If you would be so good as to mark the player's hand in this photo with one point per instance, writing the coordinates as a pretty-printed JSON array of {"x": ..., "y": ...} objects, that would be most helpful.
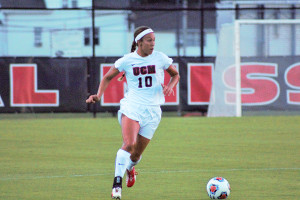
[
  {"x": 167, "y": 90},
  {"x": 92, "y": 99}
]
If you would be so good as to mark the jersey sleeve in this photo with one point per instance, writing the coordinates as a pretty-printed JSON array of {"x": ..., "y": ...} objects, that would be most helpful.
[
  {"x": 166, "y": 60},
  {"x": 119, "y": 64}
]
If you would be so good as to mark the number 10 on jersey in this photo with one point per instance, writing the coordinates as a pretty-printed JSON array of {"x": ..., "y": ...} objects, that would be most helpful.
[{"x": 145, "y": 81}]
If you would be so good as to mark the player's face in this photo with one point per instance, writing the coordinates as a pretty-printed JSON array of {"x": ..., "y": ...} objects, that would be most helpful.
[{"x": 147, "y": 45}]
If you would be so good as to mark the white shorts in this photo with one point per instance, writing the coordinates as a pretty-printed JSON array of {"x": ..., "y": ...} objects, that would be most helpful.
[{"x": 148, "y": 116}]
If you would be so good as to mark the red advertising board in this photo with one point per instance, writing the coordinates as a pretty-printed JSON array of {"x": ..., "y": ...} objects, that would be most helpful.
[
  {"x": 62, "y": 85},
  {"x": 24, "y": 91},
  {"x": 199, "y": 83}
]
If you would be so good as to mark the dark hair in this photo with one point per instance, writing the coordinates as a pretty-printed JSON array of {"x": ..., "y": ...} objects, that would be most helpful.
[{"x": 137, "y": 31}]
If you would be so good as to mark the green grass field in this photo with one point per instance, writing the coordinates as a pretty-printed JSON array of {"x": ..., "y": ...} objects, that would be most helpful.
[{"x": 73, "y": 158}]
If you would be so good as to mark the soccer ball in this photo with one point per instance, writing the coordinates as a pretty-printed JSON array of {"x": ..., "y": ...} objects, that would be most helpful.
[{"x": 218, "y": 188}]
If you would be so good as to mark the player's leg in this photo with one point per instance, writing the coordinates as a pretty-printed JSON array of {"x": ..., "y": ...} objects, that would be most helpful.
[
  {"x": 135, "y": 158},
  {"x": 149, "y": 124},
  {"x": 146, "y": 132},
  {"x": 130, "y": 129}
]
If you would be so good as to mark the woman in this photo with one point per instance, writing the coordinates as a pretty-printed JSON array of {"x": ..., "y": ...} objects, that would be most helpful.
[{"x": 140, "y": 111}]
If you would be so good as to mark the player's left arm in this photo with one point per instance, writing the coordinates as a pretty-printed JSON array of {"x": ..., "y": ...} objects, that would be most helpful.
[{"x": 168, "y": 89}]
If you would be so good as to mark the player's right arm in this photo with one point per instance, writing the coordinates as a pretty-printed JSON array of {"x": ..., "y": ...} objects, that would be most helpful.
[{"x": 113, "y": 72}]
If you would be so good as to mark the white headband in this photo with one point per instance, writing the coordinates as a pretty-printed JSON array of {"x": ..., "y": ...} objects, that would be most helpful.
[{"x": 143, "y": 33}]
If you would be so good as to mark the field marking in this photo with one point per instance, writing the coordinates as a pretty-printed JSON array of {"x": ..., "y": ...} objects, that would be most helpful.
[{"x": 145, "y": 172}]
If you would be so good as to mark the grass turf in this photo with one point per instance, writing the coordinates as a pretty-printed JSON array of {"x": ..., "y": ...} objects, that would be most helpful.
[{"x": 74, "y": 158}]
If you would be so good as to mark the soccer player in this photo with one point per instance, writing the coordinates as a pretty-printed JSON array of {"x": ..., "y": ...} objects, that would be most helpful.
[{"x": 140, "y": 111}]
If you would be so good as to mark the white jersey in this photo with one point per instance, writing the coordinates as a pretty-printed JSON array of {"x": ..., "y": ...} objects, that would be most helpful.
[{"x": 144, "y": 77}]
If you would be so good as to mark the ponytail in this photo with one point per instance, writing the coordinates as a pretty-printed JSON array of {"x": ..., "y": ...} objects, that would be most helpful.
[{"x": 133, "y": 46}]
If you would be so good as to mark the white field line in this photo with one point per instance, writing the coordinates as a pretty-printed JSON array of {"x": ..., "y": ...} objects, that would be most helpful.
[{"x": 147, "y": 172}]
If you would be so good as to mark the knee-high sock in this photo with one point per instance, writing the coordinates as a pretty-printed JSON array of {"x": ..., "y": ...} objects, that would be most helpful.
[
  {"x": 131, "y": 163},
  {"x": 122, "y": 161}
]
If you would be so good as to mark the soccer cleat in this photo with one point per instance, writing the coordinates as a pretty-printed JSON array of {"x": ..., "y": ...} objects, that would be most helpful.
[
  {"x": 116, "y": 193},
  {"x": 131, "y": 177}
]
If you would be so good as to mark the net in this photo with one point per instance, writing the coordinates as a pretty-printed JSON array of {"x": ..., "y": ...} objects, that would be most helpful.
[{"x": 218, "y": 105}]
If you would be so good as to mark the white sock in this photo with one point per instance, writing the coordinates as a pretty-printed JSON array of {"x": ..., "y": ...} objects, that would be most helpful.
[
  {"x": 122, "y": 161},
  {"x": 131, "y": 164}
]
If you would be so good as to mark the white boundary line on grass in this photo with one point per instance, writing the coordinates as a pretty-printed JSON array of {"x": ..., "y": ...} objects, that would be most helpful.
[{"x": 145, "y": 172}]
